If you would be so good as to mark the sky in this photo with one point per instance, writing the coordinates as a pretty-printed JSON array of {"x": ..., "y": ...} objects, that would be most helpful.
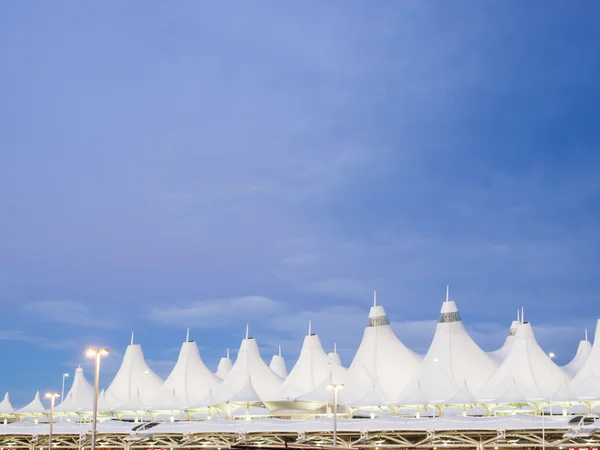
[{"x": 211, "y": 165}]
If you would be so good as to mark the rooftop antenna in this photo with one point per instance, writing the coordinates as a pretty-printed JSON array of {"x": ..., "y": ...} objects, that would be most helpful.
[
  {"x": 447, "y": 292},
  {"x": 279, "y": 349},
  {"x": 132, "y": 338},
  {"x": 522, "y": 314},
  {"x": 187, "y": 336},
  {"x": 586, "y": 334},
  {"x": 227, "y": 353},
  {"x": 247, "y": 326},
  {"x": 310, "y": 327},
  {"x": 374, "y": 298}
]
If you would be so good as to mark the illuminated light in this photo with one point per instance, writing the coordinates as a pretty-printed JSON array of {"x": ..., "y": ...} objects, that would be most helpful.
[{"x": 551, "y": 355}]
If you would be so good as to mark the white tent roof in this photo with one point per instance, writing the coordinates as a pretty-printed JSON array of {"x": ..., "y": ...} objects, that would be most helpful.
[
  {"x": 586, "y": 384},
  {"x": 188, "y": 383},
  {"x": 33, "y": 407},
  {"x": 501, "y": 353},
  {"x": 309, "y": 371},
  {"x": 452, "y": 361},
  {"x": 249, "y": 366},
  {"x": 134, "y": 381},
  {"x": 278, "y": 365},
  {"x": 527, "y": 368},
  {"x": 381, "y": 360},
  {"x": 5, "y": 406},
  {"x": 583, "y": 352},
  {"x": 225, "y": 365},
  {"x": 80, "y": 397}
]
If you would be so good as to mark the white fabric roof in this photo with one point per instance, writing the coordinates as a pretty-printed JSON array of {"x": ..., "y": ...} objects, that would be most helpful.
[
  {"x": 586, "y": 384},
  {"x": 249, "y": 366},
  {"x": 453, "y": 360},
  {"x": 381, "y": 360},
  {"x": 526, "y": 369},
  {"x": 278, "y": 365},
  {"x": 583, "y": 352},
  {"x": 188, "y": 383},
  {"x": 5, "y": 406},
  {"x": 80, "y": 397},
  {"x": 135, "y": 384},
  {"x": 225, "y": 365},
  {"x": 33, "y": 407},
  {"x": 501, "y": 353},
  {"x": 310, "y": 370}
]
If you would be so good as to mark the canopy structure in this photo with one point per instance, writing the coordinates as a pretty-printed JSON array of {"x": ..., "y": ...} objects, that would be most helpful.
[
  {"x": 310, "y": 370},
  {"x": 5, "y": 407},
  {"x": 34, "y": 407},
  {"x": 80, "y": 397},
  {"x": 500, "y": 354},
  {"x": 526, "y": 374},
  {"x": 583, "y": 353},
  {"x": 333, "y": 356},
  {"x": 586, "y": 384},
  {"x": 381, "y": 360},
  {"x": 278, "y": 365},
  {"x": 249, "y": 369},
  {"x": 188, "y": 383},
  {"x": 453, "y": 361},
  {"x": 225, "y": 365},
  {"x": 135, "y": 385}
]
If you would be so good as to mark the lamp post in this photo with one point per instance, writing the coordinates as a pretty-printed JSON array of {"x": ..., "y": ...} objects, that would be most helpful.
[
  {"x": 96, "y": 353},
  {"x": 62, "y": 392},
  {"x": 335, "y": 388},
  {"x": 52, "y": 396}
]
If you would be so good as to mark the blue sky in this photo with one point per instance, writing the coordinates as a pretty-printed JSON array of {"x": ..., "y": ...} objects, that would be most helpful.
[{"x": 199, "y": 165}]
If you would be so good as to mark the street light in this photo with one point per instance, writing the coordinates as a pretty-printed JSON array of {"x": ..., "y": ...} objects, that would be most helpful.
[
  {"x": 335, "y": 388},
  {"x": 62, "y": 392},
  {"x": 52, "y": 396},
  {"x": 96, "y": 353},
  {"x": 551, "y": 356}
]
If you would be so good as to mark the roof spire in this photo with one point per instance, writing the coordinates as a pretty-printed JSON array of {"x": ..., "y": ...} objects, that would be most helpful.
[
  {"x": 335, "y": 348},
  {"x": 227, "y": 353},
  {"x": 586, "y": 334},
  {"x": 187, "y": 336},
  {"x": 279, "y": 349},
  {"x": 518, "y": 315},
  {"x": 309, "y": 327},
  {"x": 447, "y": 292},
  {"x": 132, "y": 338},
  {"x": 374, "y": 298},
  {"x": 522, "y": 314},
  {"x": 247, "y": 329}
]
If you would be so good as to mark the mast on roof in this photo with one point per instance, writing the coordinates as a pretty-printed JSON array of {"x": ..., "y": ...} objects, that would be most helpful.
[
  {"x": 374, "y": 298},
  {"x": 335, "y": 348},
  {"x": 279, "y": 349},
  {"x": 187, "y": 336},
  {"x": 522, "y": 314},
  {"x": 227, "y": 353},
  {"x": 586, "y": 338},
  {"x": 309, "y": 327},
  {"x": 518, "y": 315},
  {"x": 132, "y": 338},
  {"x": 447, "y": 292}
]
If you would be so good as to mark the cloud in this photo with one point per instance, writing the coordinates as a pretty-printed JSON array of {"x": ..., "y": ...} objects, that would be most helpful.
[
  {"x": 42, "y": 342},
  {"x": 211, "y": 313},
  {"x": 69, "y": 312}
]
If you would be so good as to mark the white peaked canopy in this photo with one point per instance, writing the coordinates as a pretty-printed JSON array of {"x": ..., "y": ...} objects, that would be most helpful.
[
  {"x": 453, "y": 361},
  {"x": 310, "y": 370},
  {"x": 5, "y": 406},
  {"x": 334, "y": 358},
  {"x": 583, "y": 352},
  {"x": 225, "y": 365},
  {"x": 135, "y": 382},
  {"x": 526, "y": 374},
  {"x": 80, "y": 397},
  {"x": 382, "y": 364},
  {"x": 586, "y": 383},
  {"x": 501, "y": 353},
  {"x": 189, "y": 382},
  {"x": 34, "y": 407},
  {"x": 278, "y": 365},
  {"x": 249, "y": 368}
]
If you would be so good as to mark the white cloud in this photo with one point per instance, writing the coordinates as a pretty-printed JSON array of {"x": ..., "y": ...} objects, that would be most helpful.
[
  {"x": 68, "y": 312},
  {"x": 210, "y": 313},
  {"x": 43, "y": 342}
]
